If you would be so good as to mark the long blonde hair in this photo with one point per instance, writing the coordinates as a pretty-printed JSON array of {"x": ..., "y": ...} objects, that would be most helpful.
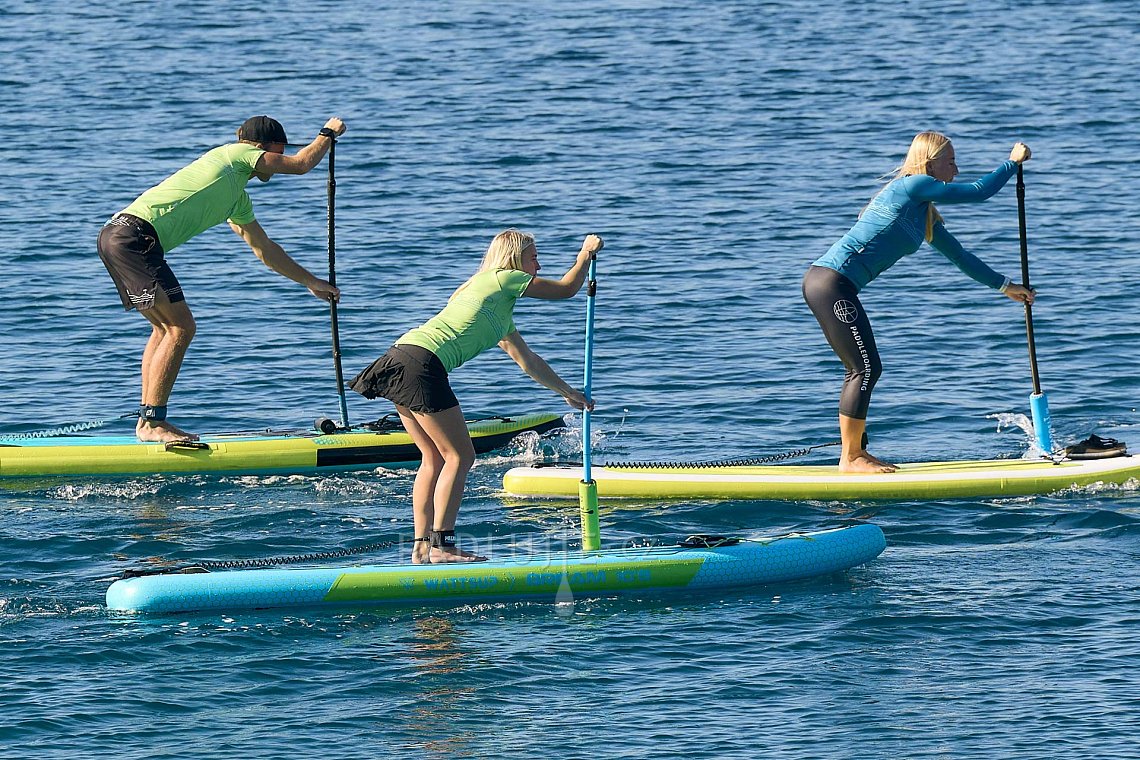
[
  {"x": 924, "y": 148},
  {"x": 505, "y": 252}
]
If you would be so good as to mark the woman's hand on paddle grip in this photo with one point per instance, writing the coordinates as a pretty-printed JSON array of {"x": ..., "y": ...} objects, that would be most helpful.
[
  {"x": 1020, "y": 293},
  {"x": 591, "y": 245},
  {"x": 325, "y": 291},
  {"x": 578, "y": 400}
]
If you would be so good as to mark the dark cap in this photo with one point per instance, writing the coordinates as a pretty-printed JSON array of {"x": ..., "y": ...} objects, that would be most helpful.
[{"x": 262, "y": 129}]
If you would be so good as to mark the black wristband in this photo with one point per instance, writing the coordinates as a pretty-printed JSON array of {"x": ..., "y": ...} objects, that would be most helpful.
[{"x": 326, "y": 132}]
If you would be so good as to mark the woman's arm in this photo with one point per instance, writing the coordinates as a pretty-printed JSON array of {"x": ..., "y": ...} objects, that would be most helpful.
[
  {"x": 539, "y": 371},
  {"x": 971, "y": 265},
  {"x": 922, "y": 187},
  {"x": 948, "y": 246},
  {"x": 571, "y": 282}
]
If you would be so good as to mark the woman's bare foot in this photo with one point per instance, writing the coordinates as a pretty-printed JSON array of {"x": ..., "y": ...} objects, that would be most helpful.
[
  {"x": 444, "y": 554},
  {"x": 421, "y": 551},
  {"x": 865, "y": 463},
  {"x": 150, "y": 431}
]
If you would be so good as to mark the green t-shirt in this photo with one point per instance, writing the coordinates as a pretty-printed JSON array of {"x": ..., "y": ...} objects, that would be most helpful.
[
  {"x": 476, "y": 318},
  {"x": 201, "y": 195}
]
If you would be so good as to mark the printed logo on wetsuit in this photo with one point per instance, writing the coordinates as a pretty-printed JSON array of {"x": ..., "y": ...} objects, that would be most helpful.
[{"x": 845, "y": 312}]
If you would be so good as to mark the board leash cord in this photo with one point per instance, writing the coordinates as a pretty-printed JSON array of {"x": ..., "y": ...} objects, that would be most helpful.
[
  {"x": 746, "y": 462},
  {"x": 384, "y": 424},
  {"x": 1093, "y": 447},
  {"x": 257, "y": 563},
  {"x": 77, "y": 427}
]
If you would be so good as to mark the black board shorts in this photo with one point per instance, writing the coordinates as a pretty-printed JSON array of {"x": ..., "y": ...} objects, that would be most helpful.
[
  {"x": 408, "y": 376},
  {"x": 129, "y": 248}
]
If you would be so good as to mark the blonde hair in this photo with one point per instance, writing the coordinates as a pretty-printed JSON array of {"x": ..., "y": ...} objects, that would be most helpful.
[
  {"x": 506, "y": 250},
  {"x": 924, "y": 148}
]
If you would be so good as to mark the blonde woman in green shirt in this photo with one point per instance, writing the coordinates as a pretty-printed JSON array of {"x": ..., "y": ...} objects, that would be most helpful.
[
  {"x": 413, "y": 376},
  {"x": 209, "y": 191}
]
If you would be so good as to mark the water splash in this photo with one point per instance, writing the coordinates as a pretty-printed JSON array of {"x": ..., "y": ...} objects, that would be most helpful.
[{"x": 1025, "y": 425}]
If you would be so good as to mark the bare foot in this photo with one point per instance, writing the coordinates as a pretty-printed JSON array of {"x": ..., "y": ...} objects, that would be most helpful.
[
  {"x": 443, "y": 554},
  {"x": 865, "y": 463},
  {"x": 161, "y": 432}
]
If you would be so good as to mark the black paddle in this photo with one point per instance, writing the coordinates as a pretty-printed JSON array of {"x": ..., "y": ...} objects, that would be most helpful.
[
  {"x": 322, "y": 423},
  {"x": 1038, "y": 401}
]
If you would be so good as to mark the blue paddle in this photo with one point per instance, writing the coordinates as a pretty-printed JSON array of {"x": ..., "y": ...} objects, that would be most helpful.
[
  {"x": 1038, "y": 401},
  {"x": 587, "y": 488}
]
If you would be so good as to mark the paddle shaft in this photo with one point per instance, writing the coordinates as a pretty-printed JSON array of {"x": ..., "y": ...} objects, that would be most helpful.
[
  {"x": 588, "y": 489},
  {"x": 588, "y": 372},
  {"x": 1038, "y": 401},
  {"x": 1025, "y": 280},
  {"x": 332, "y": 281}
]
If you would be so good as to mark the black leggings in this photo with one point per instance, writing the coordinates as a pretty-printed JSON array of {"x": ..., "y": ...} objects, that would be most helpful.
[{"x": 834, "y": 301}]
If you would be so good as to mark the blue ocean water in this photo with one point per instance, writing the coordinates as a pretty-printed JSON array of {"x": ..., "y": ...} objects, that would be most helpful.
[{"x": 718, "y": 148}]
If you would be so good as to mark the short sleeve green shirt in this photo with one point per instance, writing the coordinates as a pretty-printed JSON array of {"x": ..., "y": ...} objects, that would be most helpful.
[
  {"x": 201, "y": 195},
  {"x": 476, "y": 318}
]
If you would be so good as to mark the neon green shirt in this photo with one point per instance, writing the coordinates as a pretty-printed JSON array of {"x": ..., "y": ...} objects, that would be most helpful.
[
  {"x": 475, "y": 318},
  {"x": 201, "y": 195}
]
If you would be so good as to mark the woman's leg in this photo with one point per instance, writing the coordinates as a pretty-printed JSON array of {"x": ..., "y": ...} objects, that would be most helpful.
[
  {"x": 423, "y": 491},
  {"x": 453, "y": 455},
  {"x": 835, "y": 303}
]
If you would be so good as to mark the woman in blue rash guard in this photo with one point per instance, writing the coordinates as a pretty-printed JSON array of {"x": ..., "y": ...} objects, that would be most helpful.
[{"x": 894, "y": 224}]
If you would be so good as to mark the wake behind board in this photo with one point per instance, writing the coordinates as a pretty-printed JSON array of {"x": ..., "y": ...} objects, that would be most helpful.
[
  {"x": 920, "y": 480},
  {"x": 293, "y": 451},
  {"x": 604, "y": 573}
]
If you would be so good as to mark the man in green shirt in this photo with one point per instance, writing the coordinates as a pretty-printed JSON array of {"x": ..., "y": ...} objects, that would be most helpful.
[{"x": 209, "y": 191}]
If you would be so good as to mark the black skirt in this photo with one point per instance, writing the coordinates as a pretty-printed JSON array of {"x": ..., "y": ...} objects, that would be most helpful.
[{"x": 408, "y": 376}]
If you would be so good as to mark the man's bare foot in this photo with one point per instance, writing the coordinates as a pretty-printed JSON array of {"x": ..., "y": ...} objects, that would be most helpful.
[
  {"x": 443, "y": 554},
  {"x": 865, "y": 463},
  {"x": 162, "y": 431}
]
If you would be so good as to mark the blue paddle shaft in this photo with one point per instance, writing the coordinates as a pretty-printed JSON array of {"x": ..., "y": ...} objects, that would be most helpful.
[
  {"x": 591, "y": 292},
  {"x": 588, "y": 489}
]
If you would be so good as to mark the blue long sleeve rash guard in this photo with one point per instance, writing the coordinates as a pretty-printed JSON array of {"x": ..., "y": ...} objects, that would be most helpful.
[{"x": 894, "y": 225}]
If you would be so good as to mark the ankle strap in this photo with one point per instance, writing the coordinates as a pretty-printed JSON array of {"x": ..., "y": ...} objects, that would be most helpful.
[
  {"x": 442, "y": 538},
  {"x": 152, "y": 413}
]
